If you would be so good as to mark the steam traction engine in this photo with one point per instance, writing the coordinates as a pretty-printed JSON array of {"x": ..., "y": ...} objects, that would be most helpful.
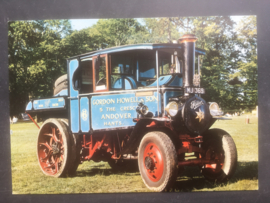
[{"x": 137, "y": 102}]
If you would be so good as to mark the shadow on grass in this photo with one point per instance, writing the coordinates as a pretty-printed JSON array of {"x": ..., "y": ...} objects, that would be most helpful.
[
  {"x": 191, "y": 179},
  {"x": 101, "y": 169},
  {"x": 188, "y": 180}
]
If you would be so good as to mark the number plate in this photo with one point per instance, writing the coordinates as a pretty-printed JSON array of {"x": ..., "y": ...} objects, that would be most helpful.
[{"x": 195, "y": 90}]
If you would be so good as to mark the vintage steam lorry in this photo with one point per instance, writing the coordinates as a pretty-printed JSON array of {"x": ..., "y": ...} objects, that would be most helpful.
[{"x": 137, "y": 102}]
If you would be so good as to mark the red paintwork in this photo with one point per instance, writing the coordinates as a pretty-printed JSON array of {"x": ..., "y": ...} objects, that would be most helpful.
[
  {"x": 212, "y": 166},
  {"x": 111, "y": 143},
  {"x": 152, "y": 151},
  {"x": 92, "y": 147},
  {"x": 33, "y": 121},
  {"x": 186, "y": 144},
  {"x": 153, "y": 123},
  {"x": 49, "y": 162}
]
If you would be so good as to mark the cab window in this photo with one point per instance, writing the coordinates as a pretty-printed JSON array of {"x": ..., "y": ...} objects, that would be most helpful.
[
  {"x": 100, "y": 73},
  {"x": 122, "y": 71},
  {"x": 82, "y": 77}
]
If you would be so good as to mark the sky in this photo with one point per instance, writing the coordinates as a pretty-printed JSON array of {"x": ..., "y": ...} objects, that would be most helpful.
[{"x": 78, "y": 24}]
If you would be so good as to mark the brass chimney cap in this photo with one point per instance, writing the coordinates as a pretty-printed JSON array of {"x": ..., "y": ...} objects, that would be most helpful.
[{"x": 188, "y": 38}]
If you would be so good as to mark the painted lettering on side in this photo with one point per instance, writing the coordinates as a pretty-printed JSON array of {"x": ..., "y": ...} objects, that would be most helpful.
[{"x": 118, "y": 110}]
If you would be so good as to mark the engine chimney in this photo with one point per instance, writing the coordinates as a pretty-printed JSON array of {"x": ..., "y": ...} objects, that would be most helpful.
[{"x": 188, "y": 44}]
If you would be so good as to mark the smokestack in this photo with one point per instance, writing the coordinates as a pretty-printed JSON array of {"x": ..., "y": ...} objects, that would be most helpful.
[{"x": 188, "y": 44}]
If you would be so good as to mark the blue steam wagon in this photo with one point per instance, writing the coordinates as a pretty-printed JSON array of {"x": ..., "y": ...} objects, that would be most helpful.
[{"x": 137, "y": 103}]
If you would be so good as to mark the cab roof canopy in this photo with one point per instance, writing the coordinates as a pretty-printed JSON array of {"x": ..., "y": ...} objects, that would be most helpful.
[{"x": 164, "y": 47}]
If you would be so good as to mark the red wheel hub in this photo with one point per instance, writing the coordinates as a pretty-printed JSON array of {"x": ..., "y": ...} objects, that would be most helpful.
[
  {"x": 51, "y": 151},
  {"x": 153, "y": 162}
]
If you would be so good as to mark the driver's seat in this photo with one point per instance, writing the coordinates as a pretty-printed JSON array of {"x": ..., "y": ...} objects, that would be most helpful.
[{"x": 129, "y": 83}]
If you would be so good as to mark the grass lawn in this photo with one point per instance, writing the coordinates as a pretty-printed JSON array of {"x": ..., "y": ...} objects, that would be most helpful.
[{"x": 92, "y": 177}]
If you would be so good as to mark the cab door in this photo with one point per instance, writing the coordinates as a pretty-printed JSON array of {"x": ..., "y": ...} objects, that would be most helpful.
[
  {"x": 100, "y": 73},
  {"x": 73, "y": 65}
]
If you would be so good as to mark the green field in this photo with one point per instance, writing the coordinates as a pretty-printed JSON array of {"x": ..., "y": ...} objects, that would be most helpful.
[{"x": 92, "y": 177}]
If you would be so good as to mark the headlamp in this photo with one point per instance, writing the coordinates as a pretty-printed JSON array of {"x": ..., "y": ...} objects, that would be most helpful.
[
  {"x": 172, "y": 108},
  {"x": 142, "y": 109},
  {"x": 214, "y": 109}
]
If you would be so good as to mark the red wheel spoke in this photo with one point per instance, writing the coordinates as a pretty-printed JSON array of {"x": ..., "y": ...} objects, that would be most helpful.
[
  {"x": 49, "y": 166},
  {"x": 54, "y": 135},
  {"x": 51, "y": 139},
  {"x": 46, "y": 157},
  {"x": 60, "y": 138},
  {"x": 56, "y": 164},
  {"x": 48, "y": 134},
  {"x": 53, "y": 160},
  {"x": 46, "y": 145}
]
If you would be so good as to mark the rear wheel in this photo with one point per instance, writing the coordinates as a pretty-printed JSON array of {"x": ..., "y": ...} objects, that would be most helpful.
[
  {"x": 54, "y": 148},
  {"x": 221, "y": 151},
  {"x": 75, "y": 151},
  {"x": 157, "y": 161}
]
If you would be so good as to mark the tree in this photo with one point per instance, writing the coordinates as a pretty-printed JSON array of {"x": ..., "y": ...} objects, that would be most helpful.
[
  {"x": 35, "y": 59},
  {"x": 115, "y": 32},
  {"x": 247, "y": 66},
  {"x": 38, "y": 52},
  {"x": 79, "y": 42},
  {"x": 217, "y": 36}
]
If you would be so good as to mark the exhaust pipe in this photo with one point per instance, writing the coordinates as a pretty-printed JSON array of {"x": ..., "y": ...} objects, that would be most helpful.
[{"x": 188, "y": 43}]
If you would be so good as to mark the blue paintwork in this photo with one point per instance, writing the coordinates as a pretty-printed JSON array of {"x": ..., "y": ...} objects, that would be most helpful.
[
  {"x": 84, "y": 114},
  {"x": 169, "y": 94},
  {"x": 176, "y": 82},
  {"x": 137, "y": 47},
  {"x": 162, "y": 80},
  {"x": 118, "y": 110},
  {"x": 29, "y": 106},
  {"x": 52, "y": 103},
  {"x": 128, "y": 83},
  {"x": 74, "y": 103},
  {"x": 148, "y": 73},
  {"x": 62, "y": 93},
  {"x": 132, "y": 81}
]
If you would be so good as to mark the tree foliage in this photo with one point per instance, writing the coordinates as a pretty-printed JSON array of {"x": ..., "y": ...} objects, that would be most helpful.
[
  {"x": 116, "y": 32},
  {"x": 38, "y": 49},
  {"x": 35, "y": 59}
]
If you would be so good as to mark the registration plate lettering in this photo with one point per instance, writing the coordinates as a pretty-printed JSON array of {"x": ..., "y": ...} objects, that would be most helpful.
[{"x": 195, "y": 90}]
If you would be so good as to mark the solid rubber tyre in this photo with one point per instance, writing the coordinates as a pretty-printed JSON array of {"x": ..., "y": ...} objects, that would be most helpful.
[
  {"x": 221, "y": 149},
  {"x": 60, "y": 87},
  {"x": 157, "y": 160},
  {"x": 74, "y": 161},
  {"x": 60, "y": 80}
]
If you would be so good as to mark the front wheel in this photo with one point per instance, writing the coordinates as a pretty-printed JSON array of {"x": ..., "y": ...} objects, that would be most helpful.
[
  {"x": 157, "y": 161},
  {"x": 220, "y": 149}
]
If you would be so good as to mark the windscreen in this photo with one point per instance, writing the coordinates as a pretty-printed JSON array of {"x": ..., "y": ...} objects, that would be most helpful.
[{"x": 169, "y": 63}]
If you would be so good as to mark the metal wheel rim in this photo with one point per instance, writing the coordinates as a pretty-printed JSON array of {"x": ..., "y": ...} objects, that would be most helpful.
[
  {"x": 155, "y": 169},
  {"x": 51, "y": 150}
]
